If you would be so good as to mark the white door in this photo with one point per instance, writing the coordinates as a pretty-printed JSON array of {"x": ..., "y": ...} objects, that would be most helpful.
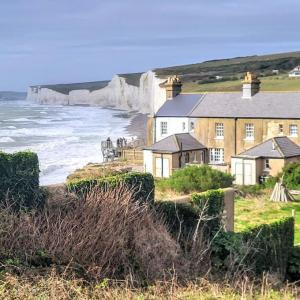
[
  {"x": 243, "y": 173},
  {"x": 247, "y": 174},
  {"x": 239, "y": 173},
  {"x": 162, "y": 165},
  {"x": 158, "y": 167},
  {"x": 166, "y": 167}
]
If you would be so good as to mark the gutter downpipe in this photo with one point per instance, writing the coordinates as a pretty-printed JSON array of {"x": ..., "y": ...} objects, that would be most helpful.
[{"x": 235, "y": 135}]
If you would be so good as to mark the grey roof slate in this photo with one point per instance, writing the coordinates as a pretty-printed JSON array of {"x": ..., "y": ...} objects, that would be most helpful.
[
  {"x": 277, "y": 147},
  {"x": 172, "y": 144},
  {"x": 180, "y": 106},
  {"x": 281, "y": 105}
]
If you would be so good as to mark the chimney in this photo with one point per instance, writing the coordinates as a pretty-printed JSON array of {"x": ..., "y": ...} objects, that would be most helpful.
[
  {"x": 251, "y": 85},
  {"x": 173, "y": 86}
]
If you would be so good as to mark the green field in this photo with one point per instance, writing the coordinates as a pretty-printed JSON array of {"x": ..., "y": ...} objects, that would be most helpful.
[
  {"x": 255, "y": 211},
  {"x": 271, "y": 83}
]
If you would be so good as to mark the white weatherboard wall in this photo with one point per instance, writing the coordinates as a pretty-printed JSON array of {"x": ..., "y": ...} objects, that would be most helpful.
[
  {"x": 174, "y": 125},
  {"x": 147, "y": 98},
  {"x": 244, "y": 171},
  {"x": 148, "y": 161}
]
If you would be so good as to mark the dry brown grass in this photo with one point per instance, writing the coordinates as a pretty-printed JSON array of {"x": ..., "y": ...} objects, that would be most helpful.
[
  {"x": 51, "y": 286},
  {"x": 107, "y": 234}
]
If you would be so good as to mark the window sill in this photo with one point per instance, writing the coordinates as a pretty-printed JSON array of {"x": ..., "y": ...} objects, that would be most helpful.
[
  {"x": 293, "y": 136},
  {"x": 249, "y": 139},
  {"x": 219, "y": 138}
]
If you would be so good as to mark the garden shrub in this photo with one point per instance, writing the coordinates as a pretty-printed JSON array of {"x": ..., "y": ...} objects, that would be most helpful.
[
  {"x": 19, "y": 179},
  {"x": 291, "y": 176},
  {"x": 210, "y": 205},
  {"x": 270, "y": 182},
  {"x": 294, "y": 264},
  {"x": 142, "y": 183},
  {"x": 198, "y": 179}
]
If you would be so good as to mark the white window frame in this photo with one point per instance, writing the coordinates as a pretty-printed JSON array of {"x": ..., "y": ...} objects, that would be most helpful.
[
  {"x": 293, "y": 130},
  {"x": 216, "y": 155},
  {"x": 219, "y": 130},
  {"x": 249, "y": 131},
  {"x": 163, "y": 127},
  {"x": 280, "y": 128}
]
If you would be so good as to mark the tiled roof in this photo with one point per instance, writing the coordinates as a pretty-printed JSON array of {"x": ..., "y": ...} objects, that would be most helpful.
[
  {"x": 281, "y": 105},
  {"x": 176, "y": 143},
  {"x": 180, "y": 106},
  {"x": 277, "y": 147}
]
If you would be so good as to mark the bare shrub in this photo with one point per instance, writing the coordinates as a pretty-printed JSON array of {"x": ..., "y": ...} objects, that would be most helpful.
[{"x": 107, "y": 234}]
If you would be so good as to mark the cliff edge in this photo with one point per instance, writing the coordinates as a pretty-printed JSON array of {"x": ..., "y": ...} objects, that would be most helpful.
[{"x": 134, "y": 92}]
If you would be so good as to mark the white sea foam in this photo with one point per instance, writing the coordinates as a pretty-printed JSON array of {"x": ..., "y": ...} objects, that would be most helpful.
[
  {"x": 66, "y": 138},
  {"x": 6, "y": 139}
]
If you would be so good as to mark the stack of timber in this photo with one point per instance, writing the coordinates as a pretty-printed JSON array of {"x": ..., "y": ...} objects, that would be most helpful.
[{"x": 281, "y": 193}]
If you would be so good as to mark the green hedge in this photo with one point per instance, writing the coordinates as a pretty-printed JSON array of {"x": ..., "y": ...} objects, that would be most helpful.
[
  {"x": 210, "y": 205},
  {"x": 142, "y": 183},
  {"x": 271, "y": 245},
  {"x": 294, "y": 264},
  {"x": 19, "y": 179},
  {"x": 262, "y": 248},
  {"x": 179, "y": 217}
]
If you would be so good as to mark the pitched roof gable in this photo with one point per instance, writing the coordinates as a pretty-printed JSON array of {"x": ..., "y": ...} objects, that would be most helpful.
[
  {"x": 278, "y": 147},
  {"x": 180, "y": 106},
  {"x": 173, "y": 144}
]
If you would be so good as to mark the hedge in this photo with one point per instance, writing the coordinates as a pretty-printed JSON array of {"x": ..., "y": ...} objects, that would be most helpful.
[
  {"x": 294, "y": 264},
  {"x": 180, "y": 218},
  {"x": 142, "y": 183},
  {"x": 261, "y": 248},
  {"x": 210, "y": 205},
  {"x": 271, "y": 245},
  {"x": 19, "y": 178}
]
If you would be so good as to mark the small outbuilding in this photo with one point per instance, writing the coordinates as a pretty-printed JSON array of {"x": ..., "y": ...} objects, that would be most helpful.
[
  {"x": 295, "y": 72},
  {"x": 173, "y": 152},
  {"x": 264, "y": 160}
]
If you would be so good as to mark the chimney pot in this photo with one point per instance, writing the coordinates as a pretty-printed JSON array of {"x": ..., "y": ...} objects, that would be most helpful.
[
  {"x": 173, "y": 86},
  {"x": 251, "y": 85}
]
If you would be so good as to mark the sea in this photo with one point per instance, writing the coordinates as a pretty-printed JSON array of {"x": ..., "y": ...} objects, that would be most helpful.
[{"x": 64, "y": 137}]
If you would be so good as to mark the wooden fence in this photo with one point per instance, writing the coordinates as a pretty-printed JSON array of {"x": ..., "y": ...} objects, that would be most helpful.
[{"x": 133, "y": 155}]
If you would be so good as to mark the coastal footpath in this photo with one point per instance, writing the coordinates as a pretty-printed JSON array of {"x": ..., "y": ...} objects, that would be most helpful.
[{"x": 141, "y": 92}]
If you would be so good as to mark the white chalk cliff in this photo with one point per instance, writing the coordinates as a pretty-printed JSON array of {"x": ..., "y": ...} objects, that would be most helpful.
[{"x": 145, "y": 98}]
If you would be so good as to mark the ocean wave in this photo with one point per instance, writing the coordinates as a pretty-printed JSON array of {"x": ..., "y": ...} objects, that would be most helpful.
[
  {"x": 20, "y": 120},
  {"x": 6, "y": 139}
]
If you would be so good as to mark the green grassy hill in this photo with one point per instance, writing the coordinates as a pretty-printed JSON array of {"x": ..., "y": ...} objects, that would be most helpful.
[
  {"x": 277, "y": 83},
  {"x": 202, "y": 76}
]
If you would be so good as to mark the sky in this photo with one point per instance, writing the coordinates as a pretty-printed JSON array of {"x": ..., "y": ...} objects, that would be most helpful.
[{"x": 62, "y": 41}]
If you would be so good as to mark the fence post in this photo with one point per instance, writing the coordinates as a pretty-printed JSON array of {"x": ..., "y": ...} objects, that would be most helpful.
[{"x": 229, "y": 194}]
